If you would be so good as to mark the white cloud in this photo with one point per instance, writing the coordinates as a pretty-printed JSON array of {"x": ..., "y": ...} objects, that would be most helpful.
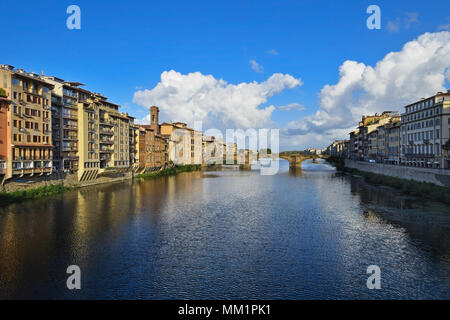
[
  {"x": 393, "y": 26},
  {"x": 420, "y": 69},
  {"x": 273, "y": 52},
  {"x": 444, "y": 27},
  {"x": 410, "y": 18},
  {"x": 196, "y": 96},
  {"x": 292, "y": 106},
  {"x": 405, "y": 22},
  {"x": 256, "y": 66}
]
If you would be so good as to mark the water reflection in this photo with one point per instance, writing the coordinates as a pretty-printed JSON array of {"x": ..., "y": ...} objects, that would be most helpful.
[
  {"x": 295, "y": 171},
  {"x": 303, "y": 233}
]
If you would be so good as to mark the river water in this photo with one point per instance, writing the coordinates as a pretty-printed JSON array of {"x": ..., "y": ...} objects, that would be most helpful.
[{"x": 228, "y": 234}]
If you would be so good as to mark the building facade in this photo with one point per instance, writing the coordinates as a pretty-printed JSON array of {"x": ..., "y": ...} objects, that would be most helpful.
[
  {"x": 29, "y": 137},
  {"x": 425, "y": 132},
  {"x": 5, "y": 138},
  {"x": 179, "y": 139}
]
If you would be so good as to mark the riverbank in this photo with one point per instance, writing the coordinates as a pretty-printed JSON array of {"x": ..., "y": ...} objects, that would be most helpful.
[
  {"x": 169, "y": 171},
  {"x": 410, "y": 187},
  {"x": 35, "y": 193},
  {"x": 54, "y": 189}
]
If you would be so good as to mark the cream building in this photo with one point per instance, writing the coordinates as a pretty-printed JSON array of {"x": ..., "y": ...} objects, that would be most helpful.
[
  {"x": 184, "y": 144},
  {"x": 425, "y": 132}
]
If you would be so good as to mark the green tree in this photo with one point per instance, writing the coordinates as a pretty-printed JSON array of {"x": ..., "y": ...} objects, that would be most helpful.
[{"x": 3, "y": 93}]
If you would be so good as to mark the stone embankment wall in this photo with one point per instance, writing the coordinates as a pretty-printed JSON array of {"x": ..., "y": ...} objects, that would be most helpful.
[
  {"x": 440, "y": 177},
  {"x": 69, "y": 180}
]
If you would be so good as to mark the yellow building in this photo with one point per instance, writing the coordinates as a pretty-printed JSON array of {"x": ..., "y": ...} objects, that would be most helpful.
[
  {"x": 88, "y": 138},
  {"x": 115, "y": 147},
  {"x": 196, "y": 147},
  {"x": 135, "y": 137},
  {"x": 66, "y": 97}
]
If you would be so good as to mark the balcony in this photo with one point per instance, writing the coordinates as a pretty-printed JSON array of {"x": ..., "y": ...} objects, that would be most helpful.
[
  {"x": 69, "y": 157},
  {"x": 69, "y": 127},
  {"x": 73, "y": 138},
  {"x": 69, "y": 149},
  {"x": 419, "y": 155},
  {"x": 70, "y": 106},
  {"x": 108, "y": 132},
  {"x": 70, "y": 116},
  {"x": 17, "y": 114},
  {"x": 106, "y": 122}
]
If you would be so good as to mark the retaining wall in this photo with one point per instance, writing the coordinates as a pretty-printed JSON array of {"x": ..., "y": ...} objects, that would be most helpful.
[
  {"x": 439, "y": 177},
  {"x": 68, "y": 180}
]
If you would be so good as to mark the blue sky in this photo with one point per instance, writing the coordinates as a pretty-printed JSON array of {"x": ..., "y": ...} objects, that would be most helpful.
[{"x": 124, "y": 46}]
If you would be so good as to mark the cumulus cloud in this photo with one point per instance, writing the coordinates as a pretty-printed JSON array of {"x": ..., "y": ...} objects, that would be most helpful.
[
  {"x": 195, "y": 96},
  {"x": 273, "y": 52},
  {"x": 420, "y": 69},
  {"x": 291, "y": 107},
  {"x": 256, "y": 66}
]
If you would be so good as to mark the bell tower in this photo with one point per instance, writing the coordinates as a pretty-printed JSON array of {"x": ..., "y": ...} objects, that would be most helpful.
[{"x": 154, "y": 118}]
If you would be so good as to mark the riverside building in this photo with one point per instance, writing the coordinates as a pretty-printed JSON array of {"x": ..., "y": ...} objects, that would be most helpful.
[
  {"x": 27, "y": 136},
  {"x": 425, "y": 132}
]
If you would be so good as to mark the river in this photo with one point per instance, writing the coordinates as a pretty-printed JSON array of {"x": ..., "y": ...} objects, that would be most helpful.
[{"x": 227, "y": 234}]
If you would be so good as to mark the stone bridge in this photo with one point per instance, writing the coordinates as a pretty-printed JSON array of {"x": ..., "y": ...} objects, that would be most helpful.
[{"x": 296, "y": 159}]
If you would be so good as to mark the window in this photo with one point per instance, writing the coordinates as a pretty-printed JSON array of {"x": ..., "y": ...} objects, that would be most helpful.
[{"x": 15, "y": 81}]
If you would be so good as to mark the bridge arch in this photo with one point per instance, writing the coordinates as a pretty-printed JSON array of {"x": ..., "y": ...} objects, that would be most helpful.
[{"x": 296, "y": 160}]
